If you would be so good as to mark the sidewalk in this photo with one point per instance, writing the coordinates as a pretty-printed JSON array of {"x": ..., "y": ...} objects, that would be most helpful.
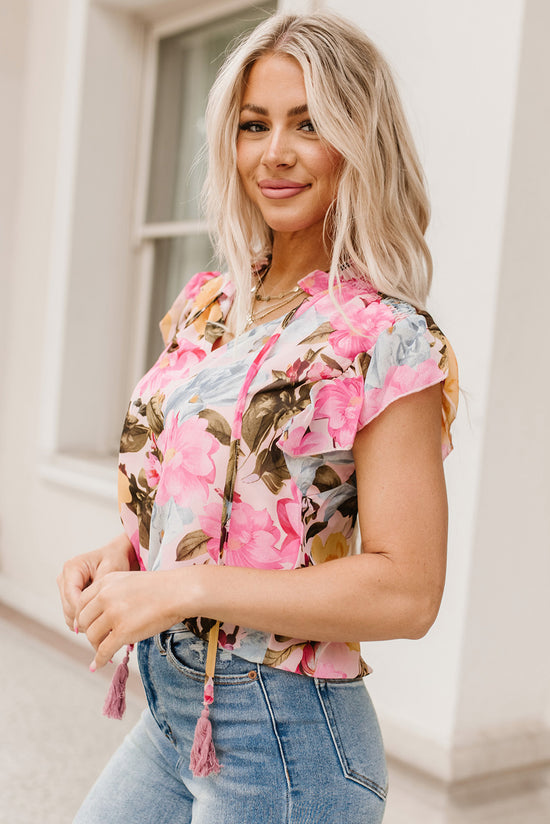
[{"x": 55, "y": 741}]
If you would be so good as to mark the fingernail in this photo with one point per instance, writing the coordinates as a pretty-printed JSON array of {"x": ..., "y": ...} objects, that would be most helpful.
[
  {"x": 92, "y": 666},
  {"x": 75, "y": 627}
]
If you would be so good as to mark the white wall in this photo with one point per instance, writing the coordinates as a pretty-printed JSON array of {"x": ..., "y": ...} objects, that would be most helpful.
[
  {"x": 505, "y": 684},
  {"x": 13, "y": 51},
  {"x": 41, "y": 522}
]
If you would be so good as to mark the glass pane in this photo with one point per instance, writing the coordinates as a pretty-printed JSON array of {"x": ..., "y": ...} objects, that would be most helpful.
[
  {"x": 187, "y": 65},
  {"x": 176, "y": 261}
]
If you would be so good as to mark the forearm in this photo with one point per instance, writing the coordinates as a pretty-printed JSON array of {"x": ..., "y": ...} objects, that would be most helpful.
[
  {"x": 120, "y": 549},
  {"x": 360, "y": 598}
]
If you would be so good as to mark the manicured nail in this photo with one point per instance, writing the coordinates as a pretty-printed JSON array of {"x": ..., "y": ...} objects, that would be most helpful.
[
  {"x": 75, "y": 627},
  {"x": 92, "y": 666}
]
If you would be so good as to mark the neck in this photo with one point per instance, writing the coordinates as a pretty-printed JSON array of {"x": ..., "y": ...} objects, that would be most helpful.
[{"x": 293, "y": 258}]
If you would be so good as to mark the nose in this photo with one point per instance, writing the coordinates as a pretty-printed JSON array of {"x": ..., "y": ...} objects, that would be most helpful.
[{"x": 278, "y": 149}]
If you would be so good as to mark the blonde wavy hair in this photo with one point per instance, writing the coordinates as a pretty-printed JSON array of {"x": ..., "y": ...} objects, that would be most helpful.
[{"x": 381, "y": 209}]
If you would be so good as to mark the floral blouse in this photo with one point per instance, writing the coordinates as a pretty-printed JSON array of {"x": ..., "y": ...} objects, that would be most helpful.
[{"x": 242, "y": 454}]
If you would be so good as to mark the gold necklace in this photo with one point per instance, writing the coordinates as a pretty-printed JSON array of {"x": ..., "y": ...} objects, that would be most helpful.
[
  {"x": 253, "y": 317},
  {"x": 266, "y": 298},
  {"x": 258, "y": 287}
]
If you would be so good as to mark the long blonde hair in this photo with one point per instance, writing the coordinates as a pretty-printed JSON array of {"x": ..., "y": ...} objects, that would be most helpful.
[{"x": 381, "y": 209}]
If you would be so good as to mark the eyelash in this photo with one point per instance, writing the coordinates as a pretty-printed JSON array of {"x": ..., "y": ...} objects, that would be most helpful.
[
  {"x": 251, "y": 126},
  {"x": 255, "y": 127}
]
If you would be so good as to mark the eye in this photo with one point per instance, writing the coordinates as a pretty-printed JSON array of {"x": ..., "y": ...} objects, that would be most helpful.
[
  {"x": 307, "y": 126},
  {"x": 252, "y": 126}
]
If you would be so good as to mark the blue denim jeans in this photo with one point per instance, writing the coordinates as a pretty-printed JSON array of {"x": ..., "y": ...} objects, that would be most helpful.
[{"x": 292, "y": 749}]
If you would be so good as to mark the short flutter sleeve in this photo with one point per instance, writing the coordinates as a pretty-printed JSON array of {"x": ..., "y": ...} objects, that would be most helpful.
[
  {"x": 408, "y": 354},
  {"x": 198, "y": 297}
]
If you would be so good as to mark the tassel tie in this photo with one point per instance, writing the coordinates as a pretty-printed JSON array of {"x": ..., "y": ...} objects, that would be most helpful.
[
  {"x": 203, "y": 761},
  {"x": 115, "y": 702}
]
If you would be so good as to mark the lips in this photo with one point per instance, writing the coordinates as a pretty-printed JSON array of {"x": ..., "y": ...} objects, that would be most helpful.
[{"x": 278, "y": 189}]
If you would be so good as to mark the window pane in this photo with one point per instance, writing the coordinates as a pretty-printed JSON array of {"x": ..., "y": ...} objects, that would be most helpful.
[
  {"x": 176, "y": 260},
  {"x": 187, "y": 65}
]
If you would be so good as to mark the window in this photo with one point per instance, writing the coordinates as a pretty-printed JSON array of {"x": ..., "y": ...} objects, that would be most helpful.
[
  {"x": 185, "y": 65},
  {"x": 126, "y": 216}
]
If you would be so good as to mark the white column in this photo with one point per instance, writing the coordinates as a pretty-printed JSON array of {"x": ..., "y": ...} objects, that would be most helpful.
[{"x": 505, "y": 673}]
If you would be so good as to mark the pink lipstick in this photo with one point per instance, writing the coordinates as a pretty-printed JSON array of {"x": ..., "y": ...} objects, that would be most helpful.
[{"x": 278, "y": 189}]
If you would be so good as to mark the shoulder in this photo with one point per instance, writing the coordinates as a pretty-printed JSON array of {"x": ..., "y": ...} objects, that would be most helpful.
[
  {"x": 386, "y": 349},
  {"x": 410, "y": 353},
  {"x": 197, "y": 299},
  {"x": 200, "y": 283},
  {"x": 353, "y": 302},
  {"x": 355, "y": 320}
]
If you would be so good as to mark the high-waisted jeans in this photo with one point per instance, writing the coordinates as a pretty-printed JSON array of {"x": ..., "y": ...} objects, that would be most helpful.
[{"x": 292, "y": 749}]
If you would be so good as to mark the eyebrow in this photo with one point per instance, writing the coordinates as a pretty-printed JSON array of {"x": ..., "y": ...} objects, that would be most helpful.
[{"x": 297, "y": 110}]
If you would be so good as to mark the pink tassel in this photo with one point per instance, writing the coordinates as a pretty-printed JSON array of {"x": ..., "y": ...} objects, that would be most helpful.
[
  {"x": 203, "y": 759},
  {"x": 115, "y": 702}
]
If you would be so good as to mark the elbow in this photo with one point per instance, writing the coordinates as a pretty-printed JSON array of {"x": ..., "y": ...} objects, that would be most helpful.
[{"x": 421, "y": 615}]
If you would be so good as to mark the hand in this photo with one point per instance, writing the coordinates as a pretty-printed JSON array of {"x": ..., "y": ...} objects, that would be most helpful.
[
  {"x": 126, "y": 607},
  {"x": 83, "y": 570}
]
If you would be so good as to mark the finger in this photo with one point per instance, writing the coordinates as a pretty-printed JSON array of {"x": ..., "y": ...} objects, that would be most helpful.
[
  {"x": 106, "y": 651},
  {"x": 92, "y": 601},
  {"x": 68, "y": 612},
  {"x": 98, "y": 631},
  {"x": 91, "y": 607},
  {"x": 73, "y": 580},
  {"x": 70, "y": 596}
]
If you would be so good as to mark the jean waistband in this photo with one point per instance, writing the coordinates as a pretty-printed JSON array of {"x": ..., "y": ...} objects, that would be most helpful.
[{"x": 177, "y": 632}]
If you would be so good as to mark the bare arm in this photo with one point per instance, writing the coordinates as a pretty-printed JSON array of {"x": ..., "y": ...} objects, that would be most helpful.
[{"x": 392, "y": 590}]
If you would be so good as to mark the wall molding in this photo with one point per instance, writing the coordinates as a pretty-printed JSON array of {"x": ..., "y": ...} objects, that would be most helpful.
[{"x": 486, "y": 757}]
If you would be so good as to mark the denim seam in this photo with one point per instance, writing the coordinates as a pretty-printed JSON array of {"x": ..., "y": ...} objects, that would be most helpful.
[
  {"x": 160, "y": 710},
  {"x": 350, "y": 773},
  {"x": 279, "y": 744},
  {"x": 197, "y": 675},
  {"x": 219, "y": 680}
]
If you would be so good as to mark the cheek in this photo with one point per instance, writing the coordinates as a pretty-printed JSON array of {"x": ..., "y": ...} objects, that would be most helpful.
[
  {"x": 327, "y": 163},
  {"x": 331, "y": 179},
  {"x": 241, "y": 160},
  {"x": 245, "y": 158}
]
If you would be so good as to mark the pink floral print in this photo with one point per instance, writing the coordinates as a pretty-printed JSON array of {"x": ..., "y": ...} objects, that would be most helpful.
[
  {"x": 289, "y": 512},
  {"x": 366, "y": 323},
  {"x": 257, "y": 436},
  {"x": 187, "y": 467},
  {"x": 340, "y": 403}
]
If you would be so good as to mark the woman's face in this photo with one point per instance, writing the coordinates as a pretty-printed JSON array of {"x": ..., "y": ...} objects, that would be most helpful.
[{"x": 286, "y": 170}]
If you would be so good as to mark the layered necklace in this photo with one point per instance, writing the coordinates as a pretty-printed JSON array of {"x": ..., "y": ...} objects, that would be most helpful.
[{"x": 275, "y": 302}]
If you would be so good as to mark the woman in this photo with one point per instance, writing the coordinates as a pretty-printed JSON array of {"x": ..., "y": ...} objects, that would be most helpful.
[{"x": 299, "y": 394}]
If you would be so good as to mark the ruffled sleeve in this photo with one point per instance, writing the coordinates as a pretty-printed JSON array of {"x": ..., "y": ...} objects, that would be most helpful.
[
  {"x": 196, "y": 298},
  {"x": 409, "y": 354}
]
